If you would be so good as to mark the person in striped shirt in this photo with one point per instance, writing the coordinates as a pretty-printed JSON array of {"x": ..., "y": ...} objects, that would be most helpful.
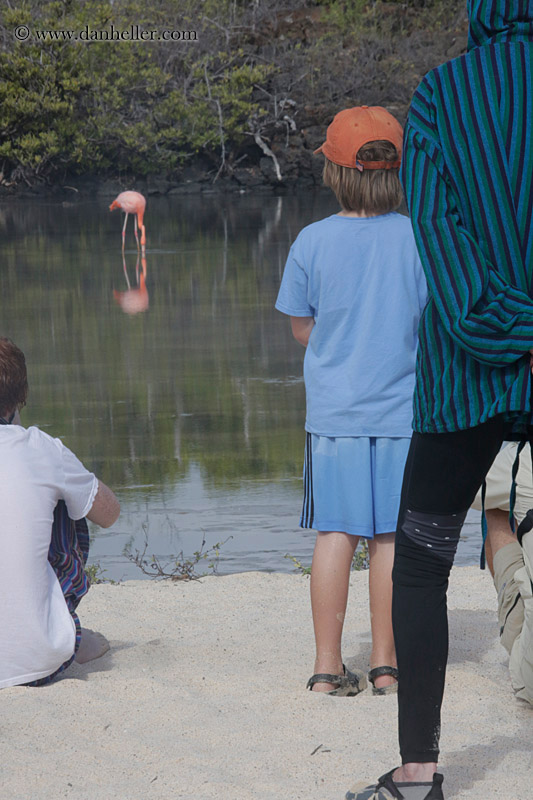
[{"x": 467, "y": 172}]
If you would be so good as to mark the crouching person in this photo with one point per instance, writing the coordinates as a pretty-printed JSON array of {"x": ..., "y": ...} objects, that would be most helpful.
[
  {"x": 45, "y": 495},
  {"x": 510, "y": 560},
  {"x": 521, "y": 648}
]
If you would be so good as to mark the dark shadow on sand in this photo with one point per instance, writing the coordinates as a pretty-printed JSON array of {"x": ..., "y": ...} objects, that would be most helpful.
[{"x": 472, "y": 634}]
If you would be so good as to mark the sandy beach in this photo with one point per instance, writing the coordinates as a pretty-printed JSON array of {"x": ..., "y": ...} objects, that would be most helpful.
[{"x": 202, "y": 695}]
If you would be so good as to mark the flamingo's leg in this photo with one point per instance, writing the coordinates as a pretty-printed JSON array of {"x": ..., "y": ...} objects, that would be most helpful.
[
  {"x": 136, "y": 234},
  {"x": 124, "y": 231},
  {"x": 125, "y": 270}
]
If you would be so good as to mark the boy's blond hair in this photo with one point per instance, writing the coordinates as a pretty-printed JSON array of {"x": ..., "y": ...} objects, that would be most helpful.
[{"x": 370, "y": 191}]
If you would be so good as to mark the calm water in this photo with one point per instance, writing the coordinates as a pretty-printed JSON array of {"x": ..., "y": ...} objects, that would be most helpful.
[{"x": 192, "y": 409}]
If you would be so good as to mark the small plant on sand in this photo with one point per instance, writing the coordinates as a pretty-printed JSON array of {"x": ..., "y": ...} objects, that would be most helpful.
[
  {"x": 95, "y": 573},
  {"x": 298, "y": 566},
  {"x": 360, "y": 560},
  {"x": 179, "y": 568},
  {"x": 360, "y": 557}
]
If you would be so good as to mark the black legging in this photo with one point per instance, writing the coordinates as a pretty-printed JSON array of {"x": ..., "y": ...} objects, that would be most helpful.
[{"x": 442, "y": 475}]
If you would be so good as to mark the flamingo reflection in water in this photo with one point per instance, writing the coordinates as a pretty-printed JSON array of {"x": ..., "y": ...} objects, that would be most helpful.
[
  {"x": 132, "y": 203},
  {"x": 134, "y": 300}
]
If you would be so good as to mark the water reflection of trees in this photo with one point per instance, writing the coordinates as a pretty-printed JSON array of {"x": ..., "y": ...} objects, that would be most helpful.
[{"x": 209, "y": 375}]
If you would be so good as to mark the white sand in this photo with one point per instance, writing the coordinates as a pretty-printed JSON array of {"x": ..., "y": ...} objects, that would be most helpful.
[{"x": 202, "y": 695}]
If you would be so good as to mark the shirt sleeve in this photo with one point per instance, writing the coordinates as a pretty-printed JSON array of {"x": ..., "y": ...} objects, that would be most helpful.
[
  {"x": 79, "y": 486},
  {"x": 488, "y": 318},
  {"x": 293, "y": 293}
]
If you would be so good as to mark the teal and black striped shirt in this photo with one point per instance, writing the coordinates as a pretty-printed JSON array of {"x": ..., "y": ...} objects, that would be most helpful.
[{"x": 467, "y": 171}]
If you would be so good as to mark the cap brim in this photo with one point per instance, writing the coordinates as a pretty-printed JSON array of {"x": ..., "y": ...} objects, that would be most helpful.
[{"x": 319, "y": 149}]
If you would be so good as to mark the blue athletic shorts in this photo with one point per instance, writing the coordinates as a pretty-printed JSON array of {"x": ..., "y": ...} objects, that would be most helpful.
[{"x": 353, "y": 484}]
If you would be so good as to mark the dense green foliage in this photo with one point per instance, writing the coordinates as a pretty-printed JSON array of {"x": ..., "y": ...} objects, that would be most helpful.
[{"x": 239, "y": 70}]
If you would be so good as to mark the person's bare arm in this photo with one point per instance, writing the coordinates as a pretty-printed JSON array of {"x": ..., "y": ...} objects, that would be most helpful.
[
  {"x": 105, "y": 508},
  {"x": 301, "y": 328}
]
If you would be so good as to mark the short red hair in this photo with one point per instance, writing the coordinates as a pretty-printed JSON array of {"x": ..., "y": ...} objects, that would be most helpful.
[{"x": 13, "y": 377}]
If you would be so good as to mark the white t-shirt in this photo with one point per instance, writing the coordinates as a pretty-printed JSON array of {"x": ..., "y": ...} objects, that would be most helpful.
[{"x": 37, "y": 632}]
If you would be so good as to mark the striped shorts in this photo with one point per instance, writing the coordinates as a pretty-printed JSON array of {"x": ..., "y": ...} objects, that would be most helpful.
[
  {"x": 69, "y": 549},
  {"x": 353, "y": 484}
]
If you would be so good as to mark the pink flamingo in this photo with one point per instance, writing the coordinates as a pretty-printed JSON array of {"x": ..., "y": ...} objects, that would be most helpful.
[
  {"x": 131, "y": 203},
  {"x": 134, "y": 300}
]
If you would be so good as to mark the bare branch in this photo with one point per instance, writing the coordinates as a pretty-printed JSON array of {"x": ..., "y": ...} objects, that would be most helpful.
[
  {"x": 268, "y": 152},
  {"x": 180, "y": 568}
]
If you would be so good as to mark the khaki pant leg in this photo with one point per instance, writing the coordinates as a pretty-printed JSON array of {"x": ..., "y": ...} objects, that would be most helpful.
[
  {"x": 499, "y": 480},
  {"x": 521, "y": 660},
  {"x": 507, "y": 561}
]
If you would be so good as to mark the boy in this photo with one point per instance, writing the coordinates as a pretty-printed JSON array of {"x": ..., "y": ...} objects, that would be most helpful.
[
  {"x": 43, "y": 487},
  {"x": 354, "y": 289}
]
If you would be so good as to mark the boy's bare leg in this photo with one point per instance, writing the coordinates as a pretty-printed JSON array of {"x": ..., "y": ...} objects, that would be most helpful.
[
  {"x": 330, "y": 576},
  {"x": 92, "y": 645},
  {"x": 499, "y": 534},
  {"x": 489, "y": 557},
  {"x": 381, "y": 552}
]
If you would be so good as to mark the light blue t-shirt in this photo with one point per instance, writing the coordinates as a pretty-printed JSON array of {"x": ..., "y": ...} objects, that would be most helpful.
[{"x": 362, "y": 281}]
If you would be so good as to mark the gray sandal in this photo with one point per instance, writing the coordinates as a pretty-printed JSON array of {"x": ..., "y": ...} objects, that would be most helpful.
[
  {"x": 377, "y": 672},
  {"x": 350, "y": 683},
  {"x": 387, "y": 789}
]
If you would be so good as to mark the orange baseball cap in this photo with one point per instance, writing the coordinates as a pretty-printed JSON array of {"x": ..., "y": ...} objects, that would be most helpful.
[{"x": 354, "y": 127}]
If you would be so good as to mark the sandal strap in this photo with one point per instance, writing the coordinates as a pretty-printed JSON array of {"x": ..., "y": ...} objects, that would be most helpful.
[
  {"x": 349, "y": 678},
  {"x": 386, "y": 781},
  {"x": 324, "y": 677},
  {"x": 378, "y": 672}
]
